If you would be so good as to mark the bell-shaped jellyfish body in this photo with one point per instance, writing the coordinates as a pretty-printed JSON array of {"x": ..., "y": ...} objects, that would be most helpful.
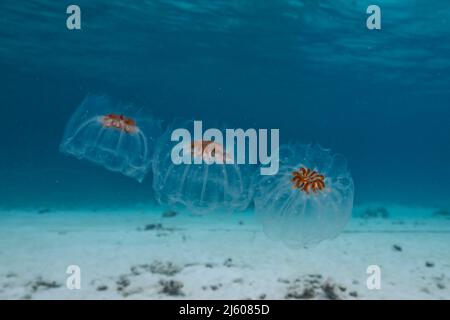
[
  {"x": 309, "y": 200},
  {"x": 191, "y": 173},
  {"x": 115, "y": 136}
]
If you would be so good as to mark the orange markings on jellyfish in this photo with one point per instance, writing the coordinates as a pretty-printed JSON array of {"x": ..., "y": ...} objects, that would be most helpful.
[
  {"x": 209, "y": 150},
  {"x": 119, "y": 122},
  {"x": 306, "y": 179}
]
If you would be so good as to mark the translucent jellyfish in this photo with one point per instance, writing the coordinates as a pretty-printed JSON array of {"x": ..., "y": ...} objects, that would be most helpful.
[
  {"x": 205, "y": 184},
  {"x": 115, "y": 136},
  {"x": 309, "y": 200}
]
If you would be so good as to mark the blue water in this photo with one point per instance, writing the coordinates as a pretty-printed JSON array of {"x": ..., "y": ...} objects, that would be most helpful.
[{"x": 310, "y": 68}]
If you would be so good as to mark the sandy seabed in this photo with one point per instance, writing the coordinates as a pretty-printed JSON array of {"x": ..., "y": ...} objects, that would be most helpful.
[{"x": 139, "y": 254}]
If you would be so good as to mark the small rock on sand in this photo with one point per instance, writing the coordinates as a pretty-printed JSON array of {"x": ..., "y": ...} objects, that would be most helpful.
[
  {"x": 153, "y": 226},
  {"x": 329, "y": 288},
  {"x": 169, "y": 214},
  {"x": 306, "y": 293},
  {"x": 102, "y": 288},
  {"x": 122, "y": 283},
  {"x": 165, "y": 268},
  {"x": 44, "y": 211},
  {"x": 171, "y": 287},
  {"x": 228, "y": 263},
  {"x": 353, "y": 294},
  {"x": 41, "y": 284}
]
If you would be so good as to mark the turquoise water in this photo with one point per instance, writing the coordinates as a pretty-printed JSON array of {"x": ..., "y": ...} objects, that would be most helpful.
[{"x": 310, "y": 68}]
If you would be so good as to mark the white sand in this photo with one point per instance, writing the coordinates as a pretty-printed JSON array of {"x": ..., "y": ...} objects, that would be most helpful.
[{"x": 106, "y": 245}]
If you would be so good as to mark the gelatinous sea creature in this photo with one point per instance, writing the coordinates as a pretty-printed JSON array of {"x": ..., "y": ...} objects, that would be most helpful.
[
  {"x": 296, "y": 216},
  {"x": 119, "y": 122},
  {"x": 306, "y": 179},
  {"x": 198, "y": 188},
  {"x": 117, "y": 137},
  {"x": 209, "y": 150}
]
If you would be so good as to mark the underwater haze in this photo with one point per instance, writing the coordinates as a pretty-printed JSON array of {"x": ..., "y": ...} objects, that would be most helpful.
[{"x": 310, "y": 68}]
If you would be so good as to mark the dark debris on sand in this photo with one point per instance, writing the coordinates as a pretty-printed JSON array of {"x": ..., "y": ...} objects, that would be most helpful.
[
  {"x": 153, "y": 226},
  {"x": 166, "y": 268},
  {"x": 213, "y": 287},
  {"x": 157, "y": 267},
  {"x": 168, "y": 286},
  {"x": 156, "y": 227},
  {"x": 102, "y": 288},
  {"x": 169, "y": 214},
  {"x": 122, "y": 283},
  {"x": 439, "y": 281},
  {"x": 313, "y": 287},
  {"x": 442, "y": 212},
  {"x": 171, "y": 287},
  {"x": 229, "y": 263},
  {"x": 40, "y": 284}
]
